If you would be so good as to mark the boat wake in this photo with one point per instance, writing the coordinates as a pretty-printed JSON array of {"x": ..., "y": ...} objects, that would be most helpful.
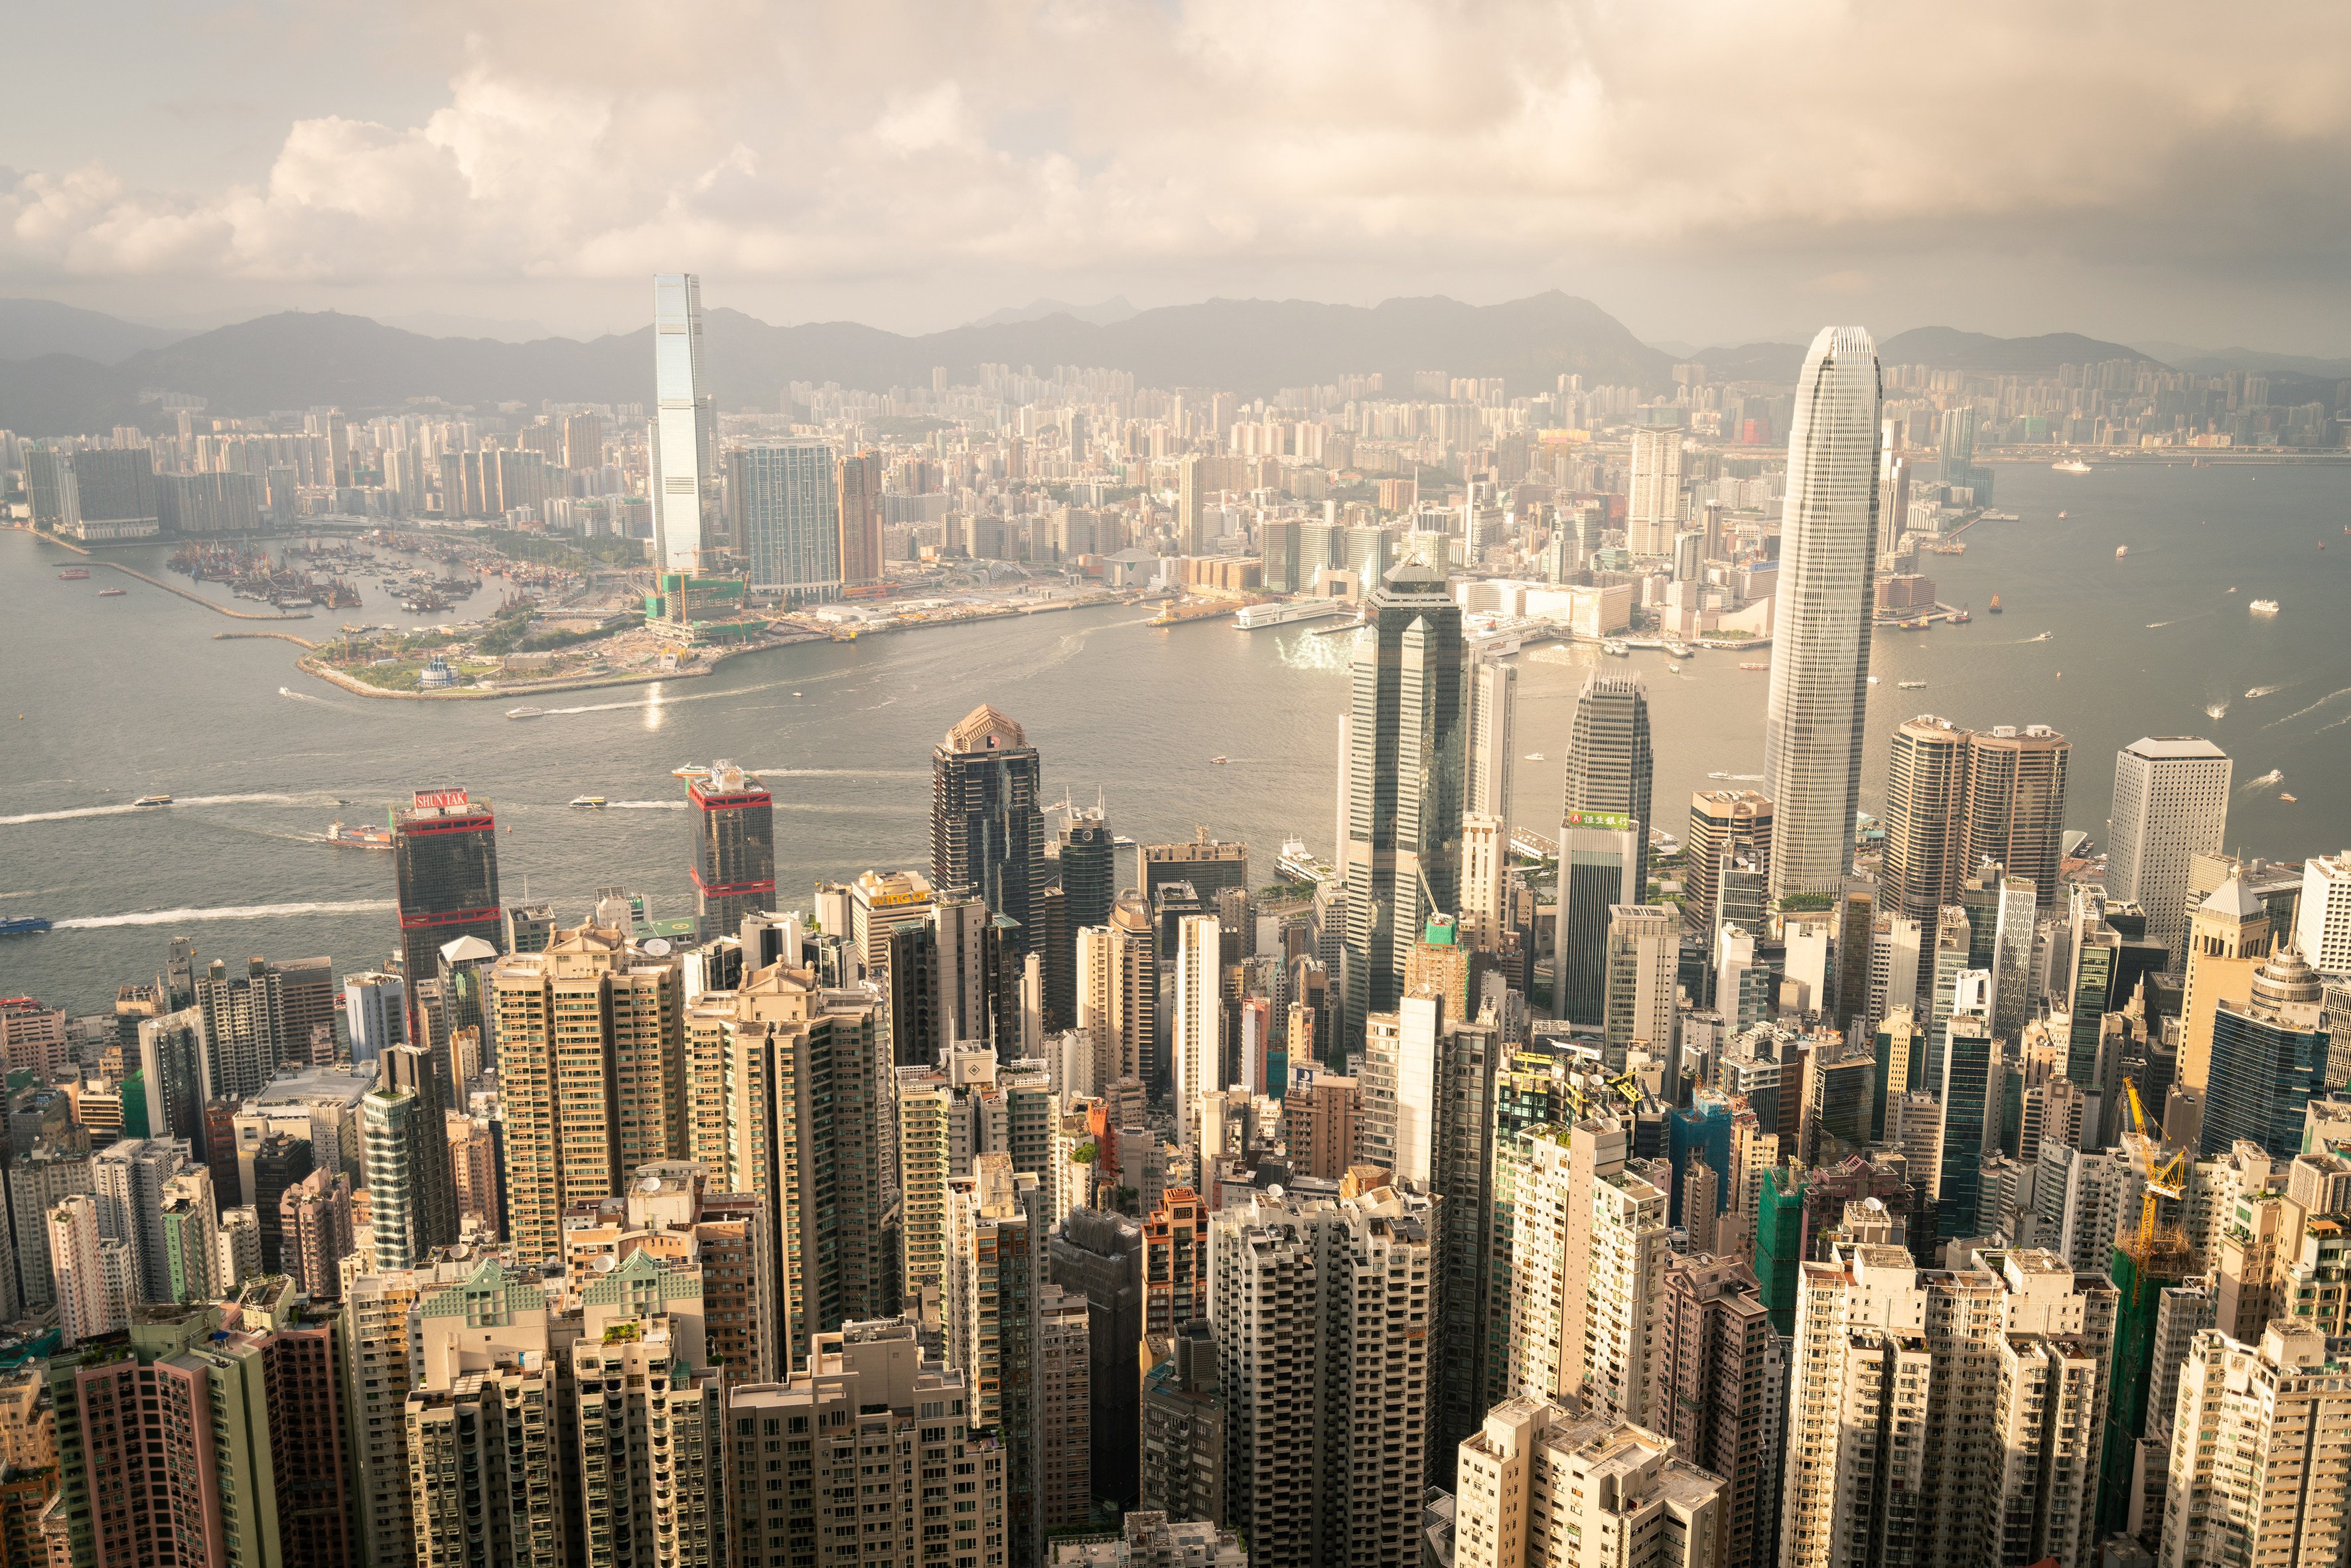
[
  {"x": 2262, "y": 692},
  {"x": 1309, "y": 652},
  {"x": 2216, "y": 710},
  {"x": 836, "y": 772},
  {"x": 2314, "y": 707},
  {"x": 233, "y": 912},
  {"x": 2273, "y": 776},
  {"x": 126, "y": 809},
  {"x": 306, "y": 698},
  {"x": 645, "y": 804}
]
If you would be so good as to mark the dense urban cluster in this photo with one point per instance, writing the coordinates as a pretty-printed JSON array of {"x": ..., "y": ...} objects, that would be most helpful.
[{"x": 1707, "y": 1185}]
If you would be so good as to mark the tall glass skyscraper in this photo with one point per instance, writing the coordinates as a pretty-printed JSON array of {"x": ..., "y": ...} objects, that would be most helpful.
[
  {"x": 1819, "y": 621},
  {"x": 1609, "y": 767},
  {"x": 1407, "y": 772},
  {"x": 786, "y": 497},
  {"x": 685, "y": 422}
]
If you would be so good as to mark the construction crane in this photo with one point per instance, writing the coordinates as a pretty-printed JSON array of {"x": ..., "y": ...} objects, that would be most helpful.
[{"x": 2165, "y": 1178}]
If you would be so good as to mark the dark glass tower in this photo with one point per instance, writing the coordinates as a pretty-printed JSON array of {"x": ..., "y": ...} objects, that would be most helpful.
[
  {"x": 1405, "y": 783},
  {"x": 445, "y": 860},
  {"x": 987, "y": 830},
  {"x": 1609, "y": 765},
  {"x": 734, "y": 849}
]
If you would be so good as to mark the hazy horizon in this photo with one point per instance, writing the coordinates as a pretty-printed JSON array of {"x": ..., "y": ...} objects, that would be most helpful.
[{"x": 2132, "y": 179}]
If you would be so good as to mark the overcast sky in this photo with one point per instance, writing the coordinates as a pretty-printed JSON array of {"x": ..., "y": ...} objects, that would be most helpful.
[{"x": 1709, "y": 171}]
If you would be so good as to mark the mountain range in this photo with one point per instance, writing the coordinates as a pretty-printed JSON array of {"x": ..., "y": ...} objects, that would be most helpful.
[{"x": 74, "y": 370}]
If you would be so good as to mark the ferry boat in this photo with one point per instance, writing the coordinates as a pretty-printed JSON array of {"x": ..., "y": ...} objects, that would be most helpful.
[
  {"x": 23, "y": 925},
  {"x": 526, "y": 713},
  {"x": 1680, "y": 651},
  {"x": 1297, "y": 865},
  {"x": 363, "y": 837},
  {"x": 2121, "y": 550},
  {"x": 74, "y": 574},
  {"x": 1534, "y": 757},
  {"x": 152, "y": 800},
  {"x": 112, "y": 592},
  {"x": 588, "y": 800},
  {"x": 1752, "y": 664},
  {"x": 1615, "y": 649},
  {"x": 2263, "y": 607},
  {"x": 694, "y": 772},
  {"x": 2287, "y": 799},
  {"x": 2072, "y": 465},
  {"x": 1257, "y": 617},
  {"x": 1910, "y": 685},
  {"x": 1219, "y": 761}
]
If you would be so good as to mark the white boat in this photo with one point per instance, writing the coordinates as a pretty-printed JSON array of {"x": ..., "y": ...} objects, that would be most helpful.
[
  {"x": 1257, "y": 617},
  {"x": 526, "y": 713},
  {"x": 588, "y": 800},
  {"x": 1534, "y": 757},
  {"x": 1910, "y": 685},
  {"x": 2121, "y": 550},
  {"x": 2074, "y": 466},
  {"x": 152, "y": 800},
  {"x": 2263, "y": 607}
]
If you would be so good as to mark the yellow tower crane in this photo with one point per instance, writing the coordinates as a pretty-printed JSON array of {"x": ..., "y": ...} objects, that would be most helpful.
[{"x": 2165, "y": 1178}]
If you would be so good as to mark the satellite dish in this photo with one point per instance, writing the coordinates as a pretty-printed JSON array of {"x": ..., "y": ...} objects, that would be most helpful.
[
  {"x": 656, "y": 946},
  {"x": 1274, "y": 1191},
  {"x": 651, "y": 1183},
  {"x": 606, "y": 1264}
]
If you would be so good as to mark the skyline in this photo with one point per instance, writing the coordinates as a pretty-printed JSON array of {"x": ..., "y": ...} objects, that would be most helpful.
[{"x": 503, "y": 171}]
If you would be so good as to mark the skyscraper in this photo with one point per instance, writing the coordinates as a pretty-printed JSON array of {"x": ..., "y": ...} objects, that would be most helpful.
[
  {"x": 2269, "y": 1059},
  {"x": 1609, "y": 765},
  {"x": 2171, "y": 803},
  {"x": 444, "y": 858},
  {"x": 1733, "y": 824},
  {"x": 1545, "y": 1485},
  {"x": 1191, "y": 532},
  {"x": 411, "y": 1189},
  {"x": 1926, "y": 817},
  {"x": 2016, "y": 803},
  {"x": 1599, "y": 870},
  {"x": 734, "y": 870},
  {"x": 1196, "y": 1013},
  {"x": 1118, "y": 992},
  {"x": 786, "y": 500},
  {"x": 1721, "y": 1383},
  {"x": 685, "y": 428},
  {"x": 1644, "y": 955},
  {"x": 988, "y": 833},
  {"x": 860, "y": 510},
  {"x": 1493, "y": 690},
  {"x": 2253, "y": 1469},
  {"x": 1656, "y": 504},
  {"x": 1405, "y": 771},
  {"x": 1820, "y": 613}
]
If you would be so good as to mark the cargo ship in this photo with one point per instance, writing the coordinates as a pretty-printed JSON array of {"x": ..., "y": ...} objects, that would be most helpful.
[{"x": 362, "y": 837}]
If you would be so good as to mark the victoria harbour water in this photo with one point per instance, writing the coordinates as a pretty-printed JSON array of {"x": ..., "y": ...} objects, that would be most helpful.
[{"x": 129, "y": 696}]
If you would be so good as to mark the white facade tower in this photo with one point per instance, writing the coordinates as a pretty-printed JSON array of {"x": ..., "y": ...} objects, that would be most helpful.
[
  {"x": 1820, "y": 617},
  {"x": 685, "y": 420},
  {"x": 2171, "y": 804}
]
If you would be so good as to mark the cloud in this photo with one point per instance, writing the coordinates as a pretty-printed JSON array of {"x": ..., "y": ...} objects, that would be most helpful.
[{"x": 900, "y": 138}]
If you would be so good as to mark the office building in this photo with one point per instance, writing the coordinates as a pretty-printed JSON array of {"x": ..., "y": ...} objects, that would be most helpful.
[
  {"x": 1820, "y": 615},
  {"x": 1722, "y": 1381},
  {"x": 734, "y": 868},
  {"x": 592, "y": 1071},
  {"x": 1492, "y": 745},
  {"x": 1926, "y": 817},
  {"x": 987, "y": 832},
  {"x": 685, "y": 429},
  {"x": 1401, "y": 788},
  {"x": 2269, "y": 1059},
  {"x": 1207, "y": 866},
  {"x": 1656, "y": 506},
  {"x": 444, "y": 856},
  {"x": 2171, "y": 804},
  {"x": 1945, "y": 1416},
  {"x": 1726, "y": 826},
  {"x": 786, "y": 500},
  {"x": 2016, "y": 804},
  {"x": 1546, "y": 1485},
  {"x": 1643, "y": 963},
  {"x": 2228, "y": 938},
  {"x": 375, "y": 1013},
  {"x": 866, "y": 1389},
  {"x": 1322, "y": 1317},
  {"x": 1609, "y": 765},
  {"x": 1600, "y": 859},
  {"x": 2323, "y": 919}
]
